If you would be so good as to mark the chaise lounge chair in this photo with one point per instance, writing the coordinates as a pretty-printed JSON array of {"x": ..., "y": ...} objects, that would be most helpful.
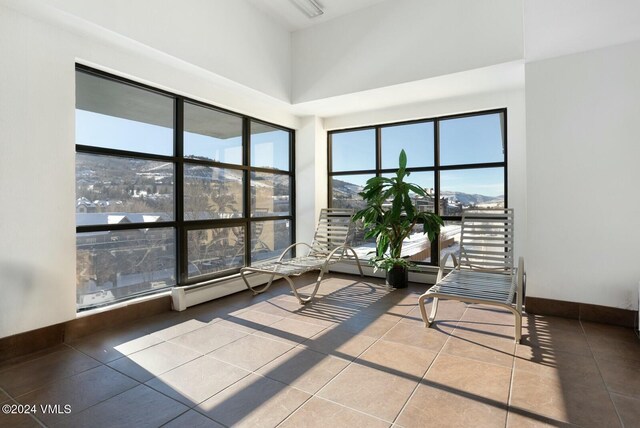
[
  {"x": 330, "y": 245},
  {"x": 484, "y": 271}
]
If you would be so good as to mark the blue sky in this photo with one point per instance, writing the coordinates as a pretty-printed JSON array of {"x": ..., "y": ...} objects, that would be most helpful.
[
  {"x": 468, "y": 140},
  {"x": 471, "y": 139},
  {"x": 268, "y": 149}
]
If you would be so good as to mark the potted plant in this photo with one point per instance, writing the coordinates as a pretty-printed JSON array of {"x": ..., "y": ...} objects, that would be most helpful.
[{"x": 390, "y": 216}]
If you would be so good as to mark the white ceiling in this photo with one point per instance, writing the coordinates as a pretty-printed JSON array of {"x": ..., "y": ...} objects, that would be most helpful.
[
  {"x": 500, "y": 77},
  {"x": 287, "y": 14}
]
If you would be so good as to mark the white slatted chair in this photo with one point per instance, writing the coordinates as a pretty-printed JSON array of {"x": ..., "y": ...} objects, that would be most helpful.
[
  {"x": 330, "y": 245},
  {"x": 484, "y": 272}
]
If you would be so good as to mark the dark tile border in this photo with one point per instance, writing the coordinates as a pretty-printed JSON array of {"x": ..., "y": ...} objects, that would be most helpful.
[
  {"x": 581, "y": 311},
  {"x": 21, "y": 344}
]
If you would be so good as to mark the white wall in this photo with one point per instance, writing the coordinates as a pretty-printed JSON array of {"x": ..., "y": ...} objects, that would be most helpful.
[
  {"x": 513, "y": 100},
  {"x": 37, "y": 180},
  {"x": 403, "y": 40},
  {"x": 583, "y": 154},
  {"x": 228, "y": 37},
  {"x": 311, "y": 176}
]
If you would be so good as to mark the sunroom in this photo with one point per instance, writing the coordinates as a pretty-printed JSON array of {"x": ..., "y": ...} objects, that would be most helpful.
[{"x": 154, "y": 149}]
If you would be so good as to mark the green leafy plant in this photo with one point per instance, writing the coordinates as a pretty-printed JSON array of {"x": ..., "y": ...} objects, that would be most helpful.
[{"x": 390, "y": 216}]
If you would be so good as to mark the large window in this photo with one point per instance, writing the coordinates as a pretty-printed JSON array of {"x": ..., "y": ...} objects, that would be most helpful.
[
  {"x": 170, "y": 191},
  {"x": 460, "y": 160}
]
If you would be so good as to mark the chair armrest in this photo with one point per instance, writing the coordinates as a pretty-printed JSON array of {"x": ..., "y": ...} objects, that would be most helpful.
[
  {"x": 443, "y": 264},
  {"x": 286, "y": 250}
]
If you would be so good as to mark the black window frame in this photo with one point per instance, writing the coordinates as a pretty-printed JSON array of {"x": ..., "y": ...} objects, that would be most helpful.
[
  {"x": 179, "y": 224},
  {"x": 436, "y": 168}
]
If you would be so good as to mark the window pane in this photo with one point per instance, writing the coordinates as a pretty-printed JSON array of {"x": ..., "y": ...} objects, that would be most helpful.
[
  {"x": 270, "y": 194},
  {"x": 118, "y": 264},
  {"x": 353, "y": 151},
  {"x": 464, "y": 188},
  {"x": 345, "y": 190},
  {"x": 211, "y": 193},
  {"x": 416, "y": 140},
  {"x": 118, "y": 116},
  {"x": 117, "y": 190},
  {"x": 212, "y": 135},
  {"x": 269, "y": 239},
  {"x": 473, "y": 139},
  {"x": 269, "y": 147},
  {"x": 214, "y": 250}
]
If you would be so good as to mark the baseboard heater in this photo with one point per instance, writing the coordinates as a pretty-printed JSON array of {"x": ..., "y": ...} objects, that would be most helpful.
[{"x": 191, "y": 295}]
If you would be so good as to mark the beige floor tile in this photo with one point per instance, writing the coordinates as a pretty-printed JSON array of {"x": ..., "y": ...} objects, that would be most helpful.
[
  {"x": 449, "y": 311},
  {"x": 404, "y": 360},
  {"x": 433, "y": 406},
  {"x": 473, "y": 377},
  {"x": 16, "y": 420},
  {"x": 492, "y": 314},
  {"x": 304, "y": 369},
  {"x": 197, "y": 380},
  {"x": 603, "y": 347},
  {"x": 375, "y": 392},
  {"x": 216, "y": 310},
  {"x": 572, "y": 403},
  {"x": 246, "y": 298},
  {"x": 432, "y": 338},
  {"x": 80, "y": 392},
  {"x": 628, "y": 409},
  {"x": 399, "y": 309},
  {"x": 192, "y": 419},
  {"x": 546, "y": 324},
  {"x": 278, "y": 307},
  {"x": 558, "y": 340},
  {"x": 478, "y": 331},
  {"x": 255, "y": 401},
  {"x": 606, "y": 331},
  {"x": 319, "y": 413},
  {"x": 154, "y": 361},
  {"x": 33, "y": 374},
  {"x": 621, "y": 375},
  {"x": 312, "y": 315},
  {"x": 339, "y": 343},
  {"x": 482, "y": 348},
  {"x": 249, "y": 321},
  {"x": 565, "y": 367},
  {"x": 138, "y": 407},
  {"x": 290, "y": 331},
  {"x": 112, "y": 344},
  {"x": 209, "y": 338},
  {"x": 176, "y": 327},
  {"x": 523, "y": 419},
  {"x": 251, "y": 352},
  {"x": 373, "y": 326}
]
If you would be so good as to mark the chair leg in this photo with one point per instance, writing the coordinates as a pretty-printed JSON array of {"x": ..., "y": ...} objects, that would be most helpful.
[
  {"x": 518, "y": 332},
  {"x": 357, "y": 262},
  {"x": 304, "y": 300},
  {"x": 256, "y": 291},
  {"x": 434, "y": 309},
  {"x": 428, "y": 320}
]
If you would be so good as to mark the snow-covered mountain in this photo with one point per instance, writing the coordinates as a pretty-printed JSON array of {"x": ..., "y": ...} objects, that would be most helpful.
[{"x": 346, "y": 190}]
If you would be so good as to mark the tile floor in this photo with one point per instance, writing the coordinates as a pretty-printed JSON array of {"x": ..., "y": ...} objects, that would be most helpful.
[{"x": 358, "y": 356}]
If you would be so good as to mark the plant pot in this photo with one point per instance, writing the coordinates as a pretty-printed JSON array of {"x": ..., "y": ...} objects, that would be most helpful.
[{"x": 398, "y": 277}]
